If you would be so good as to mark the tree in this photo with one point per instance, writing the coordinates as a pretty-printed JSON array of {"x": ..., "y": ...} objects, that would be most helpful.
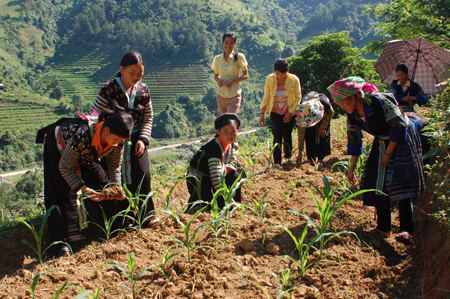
[
  {"x": 31, "y": 183},
  {"x": 77, "y": 101},
  {"x": 170, "y": 123},
  {"x": 57, "y": 93},
  {"x": 403, "y": 19},
  {"x": 328, "y": 58}
]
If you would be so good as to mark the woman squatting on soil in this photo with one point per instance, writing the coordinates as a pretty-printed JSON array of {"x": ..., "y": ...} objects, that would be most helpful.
[
  {"x": 72, "y": 152},
  {"x": 313, "y": 119},
  {"x": 394, "y": 166},
  {"x": 126, "y": 90},
  {"x": 282, "y": 93},
  {"x": 215, "y": 156},
  {"x": 228, "y": 67}
]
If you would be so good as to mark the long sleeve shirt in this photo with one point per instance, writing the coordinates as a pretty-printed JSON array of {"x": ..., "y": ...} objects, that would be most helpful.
[
  {"x": 293, "y": 92},
  {"x": 211, "y": 158},
  {"x": 412, "y": 89},
  {"x": 75, "y": 144},
  {"x": 382, "y": 119},
  {"x": 139, "y": 103}
]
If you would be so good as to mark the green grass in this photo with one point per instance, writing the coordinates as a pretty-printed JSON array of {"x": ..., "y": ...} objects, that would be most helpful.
[{"x": 6, "y": 8}]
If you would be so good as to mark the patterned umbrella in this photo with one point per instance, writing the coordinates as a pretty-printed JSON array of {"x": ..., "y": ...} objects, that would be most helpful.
[{"x": 427, "y": 63}]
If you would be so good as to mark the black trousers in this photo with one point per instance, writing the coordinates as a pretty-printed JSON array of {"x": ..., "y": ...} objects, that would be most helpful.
[
  {"x": 207, "y": 191},
  {"x": 282, "y": 135},
  {"x": 405, "y": 213}
]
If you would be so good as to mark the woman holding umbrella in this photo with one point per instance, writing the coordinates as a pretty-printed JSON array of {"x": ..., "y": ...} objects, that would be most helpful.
[
  {"x": 406, "y": 91},
  {"x": 394, "y": 167}
]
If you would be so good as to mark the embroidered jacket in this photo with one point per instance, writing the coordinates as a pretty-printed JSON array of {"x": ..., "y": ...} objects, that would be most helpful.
[
  {"x": 75, "y": 144},
  {"x": 293, "y": 92},
  {"x": 139, "y": 103},
  {"x": 211, "y": 158},
  {"x": 382, "y": 118},
  {"x": 414, "y": 89}
]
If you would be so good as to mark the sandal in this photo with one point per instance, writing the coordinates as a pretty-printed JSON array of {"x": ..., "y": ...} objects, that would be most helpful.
[{"x": 405, "y": 238}]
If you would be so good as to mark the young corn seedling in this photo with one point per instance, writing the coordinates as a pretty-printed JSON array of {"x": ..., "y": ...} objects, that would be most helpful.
[
  {"x": 292, "y": 184},
  {"x": 341, "y": 132},
  {"x": 38, "y": 235},
  {"x": 269, "y": 156},
  {"x": 168, "y": 202},
  {"x": 166, "y": 259},
  {"x": 251, "y": 161},
  {"x": 303, "y": 263},
  {"x": 228, "y": 194},
  {"x": 36, "y": 281},
  {"x": 328, "y": 207},
  {"x": 217, "y": 218},
  {"x": 89, "y": 294},
  {"x": 108, "y": 224},
  {"x": 137, "y": 210},
  {"x": 133, "y": 278},
  {"x": 260, "y": 208},
  {"x": 285, "y": 281},
  {"x": 189, "y": 244}
]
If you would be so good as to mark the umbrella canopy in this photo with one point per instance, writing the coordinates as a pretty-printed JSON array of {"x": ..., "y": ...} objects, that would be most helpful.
[{"x": 427, "y": 63}]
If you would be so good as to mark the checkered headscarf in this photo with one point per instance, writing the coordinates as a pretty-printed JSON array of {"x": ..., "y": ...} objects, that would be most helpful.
[{"x": 347, "y": 87}]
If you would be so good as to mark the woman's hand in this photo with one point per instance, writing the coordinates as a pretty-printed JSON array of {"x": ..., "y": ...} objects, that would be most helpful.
[
  {"x": 352, "y": 177},
  {"x": 219, "y": 82},
  {"x": 140, "y": 147},
  {"x": 385, "y": 159},
  {"x": 287, "y": 117},
  {"x": 92, "y": 194},
  {"x": 261, "y": 120},
  {"x": 322, "y": 132},
  {"x": 228, "y": 83}
]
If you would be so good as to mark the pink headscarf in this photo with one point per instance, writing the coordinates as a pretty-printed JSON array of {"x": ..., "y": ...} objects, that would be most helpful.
[{"x": 347, "y": 87}]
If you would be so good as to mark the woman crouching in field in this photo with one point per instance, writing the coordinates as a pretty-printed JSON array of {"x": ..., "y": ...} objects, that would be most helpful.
[
  {"x": 217, "y": 155},
  {"x": 313, "y": 119},
  {"x": 72, "y": 152}
]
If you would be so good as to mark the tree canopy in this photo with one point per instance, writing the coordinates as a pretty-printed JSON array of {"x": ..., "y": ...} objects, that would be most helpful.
[
  {"x": 403, "y": 19},
  {"x": 328, "y": 58}
]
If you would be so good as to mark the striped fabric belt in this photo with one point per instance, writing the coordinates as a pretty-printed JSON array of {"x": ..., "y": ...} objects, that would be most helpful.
[{"x": 126, "y": 161}]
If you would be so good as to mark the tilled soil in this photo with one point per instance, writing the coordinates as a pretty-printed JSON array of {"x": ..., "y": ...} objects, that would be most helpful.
[{"x": 362, "y": 266}]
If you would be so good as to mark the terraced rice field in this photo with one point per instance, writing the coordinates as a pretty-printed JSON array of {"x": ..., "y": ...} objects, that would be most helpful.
[
  {"x": 19, "y": 115},
  {"x": 85, "y": 74}
]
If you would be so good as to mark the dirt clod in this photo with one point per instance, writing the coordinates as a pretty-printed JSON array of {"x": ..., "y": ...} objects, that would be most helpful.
[
  {"x": 247, "y": 245},
  {"x": 272, "y": 248},
  {"x": 113, "y": 192}
]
